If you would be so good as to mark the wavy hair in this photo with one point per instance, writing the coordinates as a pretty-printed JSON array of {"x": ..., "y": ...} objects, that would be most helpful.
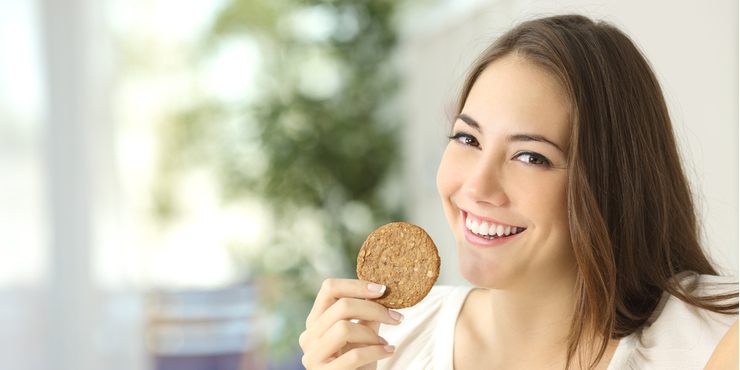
[{"x": 632, "y": 219}]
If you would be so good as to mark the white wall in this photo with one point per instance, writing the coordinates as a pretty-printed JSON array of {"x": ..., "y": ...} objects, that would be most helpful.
[{"x": 693, "y": 47}]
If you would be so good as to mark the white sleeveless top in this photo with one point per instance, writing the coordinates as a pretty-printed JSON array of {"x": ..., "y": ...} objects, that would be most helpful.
[{"x": 677, "y": 336}]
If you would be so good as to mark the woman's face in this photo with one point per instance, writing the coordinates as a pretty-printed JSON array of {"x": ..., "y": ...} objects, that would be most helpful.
[{"x": 502, "y": 179}]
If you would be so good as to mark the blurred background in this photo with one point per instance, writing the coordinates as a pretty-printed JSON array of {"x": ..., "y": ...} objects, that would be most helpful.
[{"x": 178, "y": 177}]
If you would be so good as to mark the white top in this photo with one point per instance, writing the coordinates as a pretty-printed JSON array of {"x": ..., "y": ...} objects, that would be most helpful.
[{"x": 677, "y": 336}]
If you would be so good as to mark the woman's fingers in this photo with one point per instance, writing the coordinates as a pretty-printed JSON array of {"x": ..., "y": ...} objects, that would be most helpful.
[
  {"x": 342, "y": 328},
  {"x": 347, "y": 309},
  {"x": 353, "y": 359},
  {"x": 361, "y": 356},
  {"x": 356, "y": 309},
  {"x": 341, "y": 334},
  {"x": 333, "y": 290}
]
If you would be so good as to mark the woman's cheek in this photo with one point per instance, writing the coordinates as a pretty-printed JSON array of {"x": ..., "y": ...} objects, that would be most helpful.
[
  {"x": 448, "y": 174},
  {"x": 538, "y": 190}
]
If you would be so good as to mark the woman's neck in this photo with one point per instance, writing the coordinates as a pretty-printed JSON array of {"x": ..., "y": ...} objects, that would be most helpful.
[{"x": 523, "y": 328}]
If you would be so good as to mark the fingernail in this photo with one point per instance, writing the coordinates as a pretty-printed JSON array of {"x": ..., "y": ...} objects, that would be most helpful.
[
  {"x": 383, "y": 341},
  {"x": 395, "y": 315},
  {"x": 389, "y": 349},
  {"x": 377, "y": 288}
]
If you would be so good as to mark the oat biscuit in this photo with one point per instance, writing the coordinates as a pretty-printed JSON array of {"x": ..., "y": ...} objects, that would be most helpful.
[{"x": 402, "y": 257}]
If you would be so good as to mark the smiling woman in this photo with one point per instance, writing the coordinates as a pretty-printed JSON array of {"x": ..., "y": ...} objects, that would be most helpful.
[
  {"x": 563, "y": 186},
  {"x": 504, "y": 167}
]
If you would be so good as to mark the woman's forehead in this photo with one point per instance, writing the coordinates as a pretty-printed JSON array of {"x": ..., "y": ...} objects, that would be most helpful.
[{"x": 515, "y": 94}]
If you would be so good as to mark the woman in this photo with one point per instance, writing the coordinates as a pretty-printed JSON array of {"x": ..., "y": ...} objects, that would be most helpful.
[{"x": 564, "y": 188}]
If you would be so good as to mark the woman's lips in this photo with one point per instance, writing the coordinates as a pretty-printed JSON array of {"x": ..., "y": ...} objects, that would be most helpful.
[{"x": 488, "y": 232}]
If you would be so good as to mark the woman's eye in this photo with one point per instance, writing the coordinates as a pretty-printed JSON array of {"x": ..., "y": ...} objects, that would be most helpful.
[
  {"x": 466, "y": 139},
  {"x": 532, "y": 158}
]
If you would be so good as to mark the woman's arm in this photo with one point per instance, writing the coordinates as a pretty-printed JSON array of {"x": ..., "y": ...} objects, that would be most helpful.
[{"x": 725, "y": 356}]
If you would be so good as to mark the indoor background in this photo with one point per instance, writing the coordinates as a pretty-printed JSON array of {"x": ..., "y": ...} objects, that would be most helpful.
[{"x": 178, "y": 177}]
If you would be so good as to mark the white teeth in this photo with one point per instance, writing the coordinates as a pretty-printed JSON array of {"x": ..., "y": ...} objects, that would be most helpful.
[
  {"x": 489, "y": 230},
  {"x": 483, "y": 228}
]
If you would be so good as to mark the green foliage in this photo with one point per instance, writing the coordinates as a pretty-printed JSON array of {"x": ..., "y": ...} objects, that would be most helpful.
[{"x": 320, "y": 139}]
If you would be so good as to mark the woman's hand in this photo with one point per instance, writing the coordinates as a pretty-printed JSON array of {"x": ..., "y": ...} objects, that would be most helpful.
[{"x": 342, "y": 330}]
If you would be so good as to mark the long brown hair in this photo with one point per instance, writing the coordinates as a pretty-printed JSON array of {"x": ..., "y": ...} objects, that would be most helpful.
[{"x": 631, "y": 214}]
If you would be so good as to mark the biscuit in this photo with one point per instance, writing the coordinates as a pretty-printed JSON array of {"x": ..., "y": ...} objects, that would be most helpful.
[{"x": 402, "y": 257}]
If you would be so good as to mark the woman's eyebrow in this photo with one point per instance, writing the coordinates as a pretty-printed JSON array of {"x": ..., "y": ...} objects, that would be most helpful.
[
  {"x": 468, "y": 120},
  {"x": 518, "y": 137},
  {"x": 533, "y": 137}
]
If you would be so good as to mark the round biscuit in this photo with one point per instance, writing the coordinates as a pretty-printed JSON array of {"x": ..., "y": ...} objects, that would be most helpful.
[{"x": 402, "y": 257}]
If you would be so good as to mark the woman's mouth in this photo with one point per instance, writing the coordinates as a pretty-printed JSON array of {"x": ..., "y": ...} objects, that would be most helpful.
[{"x": 489, "y": 229}]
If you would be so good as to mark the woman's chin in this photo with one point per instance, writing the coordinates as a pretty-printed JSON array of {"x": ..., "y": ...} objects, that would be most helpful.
[{"x": 484, "y": 275}]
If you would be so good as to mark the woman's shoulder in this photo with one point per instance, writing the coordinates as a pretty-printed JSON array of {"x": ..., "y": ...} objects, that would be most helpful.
[
  {"x": 675, "y": 315},
  {"x": 422, "y": 336},
  {"x": 440, "y": 301},
  {"x": 707, "y": 285},
  {"x": 679, "y": 335}
]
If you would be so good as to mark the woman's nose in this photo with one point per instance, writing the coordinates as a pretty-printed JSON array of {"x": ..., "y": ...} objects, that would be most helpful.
[{"x": 484, "y": 185}]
